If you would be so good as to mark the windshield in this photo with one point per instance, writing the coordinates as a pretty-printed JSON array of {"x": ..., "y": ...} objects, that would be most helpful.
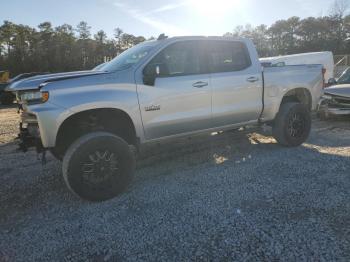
[
  {"x": 129, "y": 57},
  {"x": 345, "y": 77}
]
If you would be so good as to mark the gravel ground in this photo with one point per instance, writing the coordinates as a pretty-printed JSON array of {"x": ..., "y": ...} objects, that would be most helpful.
[{"x": 230, "y": 196}]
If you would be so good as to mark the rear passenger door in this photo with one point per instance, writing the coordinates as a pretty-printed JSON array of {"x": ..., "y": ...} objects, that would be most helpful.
[{"x": 236, "y": 83}]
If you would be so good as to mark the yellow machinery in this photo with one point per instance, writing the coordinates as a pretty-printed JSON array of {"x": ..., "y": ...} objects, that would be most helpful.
[
  {"x": 4, "y": 76},
  {"x": 6, "y": 98}
]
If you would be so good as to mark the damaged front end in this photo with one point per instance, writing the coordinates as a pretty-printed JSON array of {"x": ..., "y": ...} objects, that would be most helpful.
[
  {"x": 29, "y": 133},
  {"x": 334, "y": 105}
]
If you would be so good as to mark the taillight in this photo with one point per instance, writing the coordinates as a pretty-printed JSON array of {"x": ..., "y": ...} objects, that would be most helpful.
[{"x": 324, "y": 70}]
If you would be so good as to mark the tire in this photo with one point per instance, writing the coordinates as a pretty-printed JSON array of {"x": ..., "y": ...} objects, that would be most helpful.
[
  {"x": 6, "y": 98},
  {"x": 292, "y": 124},
  {"x": 98, "y": 166}
]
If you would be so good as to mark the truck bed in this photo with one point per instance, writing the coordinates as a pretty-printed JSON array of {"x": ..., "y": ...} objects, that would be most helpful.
[{"x": 284, "y": 78}]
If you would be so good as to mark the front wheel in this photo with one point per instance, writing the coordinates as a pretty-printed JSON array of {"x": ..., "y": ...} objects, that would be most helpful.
[
  {"x": 98, "y": 166},
  {"x": 292, "y": 124}
]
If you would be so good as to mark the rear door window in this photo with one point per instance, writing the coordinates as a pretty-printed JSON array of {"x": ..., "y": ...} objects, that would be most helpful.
[{"x": 227, "y": 56}]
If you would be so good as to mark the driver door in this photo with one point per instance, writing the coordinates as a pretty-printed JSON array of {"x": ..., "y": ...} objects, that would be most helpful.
[{"x": 179, "y": 100}]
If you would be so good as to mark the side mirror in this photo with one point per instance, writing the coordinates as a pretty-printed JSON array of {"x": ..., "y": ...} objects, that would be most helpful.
[
  {"x": 150, "y": 73},
  {"x": 332, "y": 81}
]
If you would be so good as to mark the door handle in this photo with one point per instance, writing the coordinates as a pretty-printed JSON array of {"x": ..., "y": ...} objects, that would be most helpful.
[
  {"x": 200, "y": 84},
  {"x": 253, "y": 79}
]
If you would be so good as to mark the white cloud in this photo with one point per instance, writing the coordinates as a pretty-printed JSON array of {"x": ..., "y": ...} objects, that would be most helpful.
[
  {"x": 168, "y": 7},
  {"x": 146, "y": 18}
]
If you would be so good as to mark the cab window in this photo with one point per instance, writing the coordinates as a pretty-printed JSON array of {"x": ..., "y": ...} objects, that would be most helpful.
[
  {"x": 179, "y": 59},
  {"x": 227, "y": 56}
]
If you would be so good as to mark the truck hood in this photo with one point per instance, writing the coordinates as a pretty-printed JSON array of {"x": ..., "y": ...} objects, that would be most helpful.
[
  {"x": 35, "y": 81},
  {"x": 338, "y": 90}
]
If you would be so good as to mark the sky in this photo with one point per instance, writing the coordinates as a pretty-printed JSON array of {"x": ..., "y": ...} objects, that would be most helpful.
[{"x": 151, "y": 18}]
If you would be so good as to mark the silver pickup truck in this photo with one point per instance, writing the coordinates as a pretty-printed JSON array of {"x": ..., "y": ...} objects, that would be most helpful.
[{"x": 94, "y": 121}]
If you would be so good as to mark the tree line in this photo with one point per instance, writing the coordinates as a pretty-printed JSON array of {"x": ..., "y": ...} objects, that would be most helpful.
[
  {"x": 56, "y": 49},
  {"x": 67, "y": 48},
  {"x": 295, "y": 35}
]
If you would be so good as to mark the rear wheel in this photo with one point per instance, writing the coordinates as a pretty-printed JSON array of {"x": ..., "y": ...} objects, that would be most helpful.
[
  {"x": 98, "y": 166},
  {"x": 292, "y": 124}
]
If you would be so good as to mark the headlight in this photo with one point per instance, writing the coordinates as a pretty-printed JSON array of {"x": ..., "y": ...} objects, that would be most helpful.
[{"x": 34, "y": 97}]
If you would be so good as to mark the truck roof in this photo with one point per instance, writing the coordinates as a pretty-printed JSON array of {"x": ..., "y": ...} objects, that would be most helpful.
[{"x": 203, "y": 38}]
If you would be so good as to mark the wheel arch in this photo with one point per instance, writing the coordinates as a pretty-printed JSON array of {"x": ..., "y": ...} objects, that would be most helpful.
[
  {"x": 78, "y": 123},
  {"x": 299, "y": 94}
]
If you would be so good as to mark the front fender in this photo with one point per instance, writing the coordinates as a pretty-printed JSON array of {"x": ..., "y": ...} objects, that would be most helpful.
[
  {"x": 65, "y": 102},
  {"x": 132, "y": 112},
  {"x": 50, "y": 117}
]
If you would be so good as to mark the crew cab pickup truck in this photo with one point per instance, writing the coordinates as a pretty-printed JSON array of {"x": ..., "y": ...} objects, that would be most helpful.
[{"x": 94, "y": 121}]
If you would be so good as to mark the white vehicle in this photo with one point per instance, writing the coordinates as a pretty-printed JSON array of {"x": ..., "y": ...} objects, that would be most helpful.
[
  {"x": 157, "y": 90},
  {"x": 324, "y": 58}
]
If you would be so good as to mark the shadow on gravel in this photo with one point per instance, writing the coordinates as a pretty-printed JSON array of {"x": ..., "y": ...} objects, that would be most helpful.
[
  {"x": 26, "y": 184},
  {"x": 334, "y": 132},
  {"x": 37, "y": 185},
  {"x": 199, "y": 175},
  {"x": 215, "y": 148}
]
